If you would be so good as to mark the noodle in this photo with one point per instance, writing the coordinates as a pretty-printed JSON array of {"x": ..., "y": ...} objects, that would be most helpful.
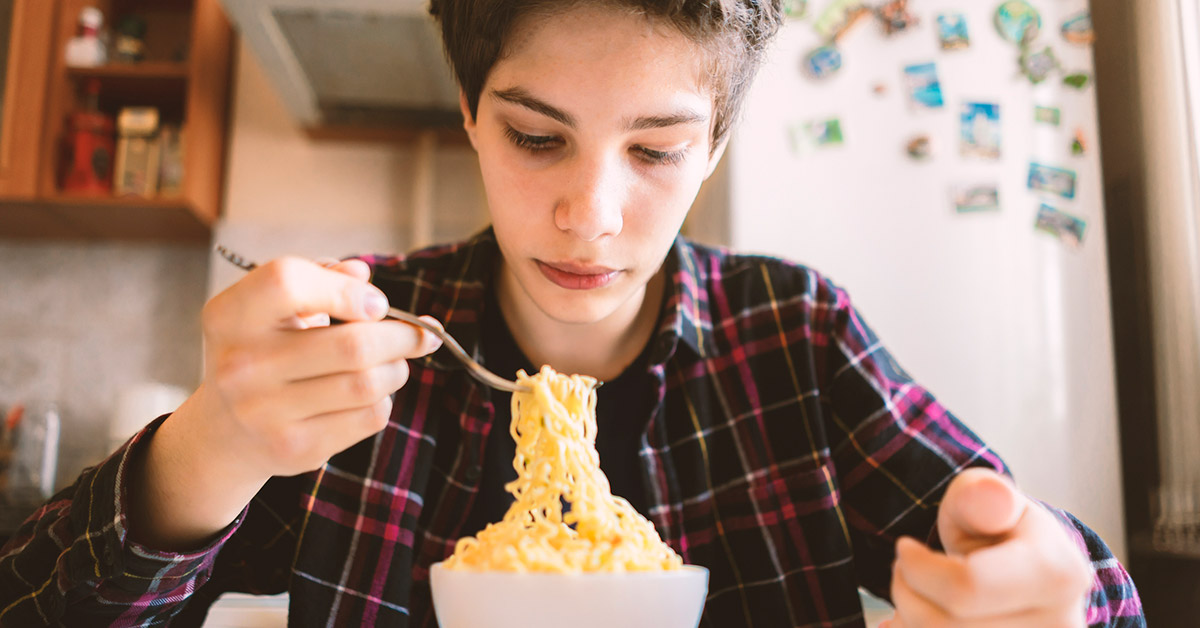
[{"x": 554, "y": 427}]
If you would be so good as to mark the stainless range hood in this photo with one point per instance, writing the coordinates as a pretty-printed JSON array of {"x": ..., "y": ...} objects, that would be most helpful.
[{"x": 352, "y": 62}]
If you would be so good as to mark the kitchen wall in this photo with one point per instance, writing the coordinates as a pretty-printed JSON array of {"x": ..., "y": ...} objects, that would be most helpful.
[
  {"x": 79, "y": 323},
  {"x": 288, "y": 194}
]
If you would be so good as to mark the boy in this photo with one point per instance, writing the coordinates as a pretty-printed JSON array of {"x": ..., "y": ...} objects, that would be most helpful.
[{"x": 749, "y": 411}]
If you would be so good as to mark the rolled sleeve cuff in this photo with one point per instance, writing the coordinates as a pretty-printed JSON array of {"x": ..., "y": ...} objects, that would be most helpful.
[
  {"x": 128, "y": 565},
  {"x": 1113, "y": 599}
]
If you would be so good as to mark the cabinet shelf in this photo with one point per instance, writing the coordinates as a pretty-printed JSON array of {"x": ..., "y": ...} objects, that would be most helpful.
[
  {"x": 152, "y": 70},
  {"x": 78, "y": 217}
]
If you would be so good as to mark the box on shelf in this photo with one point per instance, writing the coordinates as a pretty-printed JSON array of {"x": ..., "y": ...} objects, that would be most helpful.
[
  {"x": 137, "y": 161},
  {"x": 170, "y": 169}
]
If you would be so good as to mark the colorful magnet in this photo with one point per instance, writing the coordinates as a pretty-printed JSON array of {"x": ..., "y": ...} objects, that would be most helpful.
[
  {"x": 1038, "y": 65},
  {"x": 1078, "y": 29},
  {"x": 980, "y": 133},
  {"x": 820, "y": 133},
  {"x": 896, "y": 17},
  {"x": 976, "y": 197},
  {"x": 1067, "y": 228},
  {"x": 1047, "y": 115},
  {"x": 1052, "y": 180},
  {"x": 920, "y": 148},
  {"x": 826, "y": 132},
  {"x": 822, "y": 62},
  {"x": 1018, "y": 21},
  {"x": 839, "y": 17},
  {"x": 952, "y": 31},
  {"x": 1079, "y": 143},
  {"x": 879, "y": 89},
  {"x": 1078, "y": 80},
  {"x": 795, "y": 9},
  {"x": 924, "y": 90}
]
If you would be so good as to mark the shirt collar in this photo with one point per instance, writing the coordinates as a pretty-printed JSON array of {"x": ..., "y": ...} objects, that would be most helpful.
[{"x": 685, "y": 318}]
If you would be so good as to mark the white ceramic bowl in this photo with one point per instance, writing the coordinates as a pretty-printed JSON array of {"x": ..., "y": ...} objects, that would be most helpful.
[{"x": 495, "y": 599}]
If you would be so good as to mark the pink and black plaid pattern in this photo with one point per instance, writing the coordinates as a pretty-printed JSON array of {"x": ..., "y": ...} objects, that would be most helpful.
[{"x": 787, "y": 453}]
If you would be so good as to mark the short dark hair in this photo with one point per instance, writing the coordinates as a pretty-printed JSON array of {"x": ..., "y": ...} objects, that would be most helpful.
[{"x": 735, "y": 32}]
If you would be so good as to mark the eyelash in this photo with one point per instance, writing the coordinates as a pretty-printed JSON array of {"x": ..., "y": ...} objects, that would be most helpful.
[{"x": 539, "y": 143}]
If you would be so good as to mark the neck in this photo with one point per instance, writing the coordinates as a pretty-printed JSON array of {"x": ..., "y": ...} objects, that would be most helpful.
[{"x": 602, "y": 349}]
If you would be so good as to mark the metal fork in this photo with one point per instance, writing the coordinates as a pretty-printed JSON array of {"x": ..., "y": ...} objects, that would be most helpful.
[{"x": 476, "y": 369}]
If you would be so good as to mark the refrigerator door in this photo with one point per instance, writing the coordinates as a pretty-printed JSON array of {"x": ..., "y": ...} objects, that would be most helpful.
[{"x": 855, "y": 174}]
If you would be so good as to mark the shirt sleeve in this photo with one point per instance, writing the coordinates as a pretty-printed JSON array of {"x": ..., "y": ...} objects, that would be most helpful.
[
  {"x": 896, "y": 449},
  {"x": 72, "y": 562},
  {"x": 1113, "y": 599}
]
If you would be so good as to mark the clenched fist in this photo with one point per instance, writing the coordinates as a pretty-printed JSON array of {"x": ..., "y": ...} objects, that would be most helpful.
[{"x": 283, "y": 391}]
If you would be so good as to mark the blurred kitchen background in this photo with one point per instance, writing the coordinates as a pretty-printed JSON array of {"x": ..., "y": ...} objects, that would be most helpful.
[{"x": 1008, "y": 189}]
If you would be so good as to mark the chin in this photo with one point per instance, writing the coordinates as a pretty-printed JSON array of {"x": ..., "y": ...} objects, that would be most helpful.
[{"x": 576, "y": 308}]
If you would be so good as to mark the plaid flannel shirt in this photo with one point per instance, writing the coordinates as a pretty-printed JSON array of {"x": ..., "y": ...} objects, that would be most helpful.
[{"x": 786, "y": 453}]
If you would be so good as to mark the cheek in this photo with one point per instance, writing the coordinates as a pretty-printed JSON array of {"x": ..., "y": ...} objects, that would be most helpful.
[
  {"x": 508, "y": 181},
  {"x": 664, "y": 203}
]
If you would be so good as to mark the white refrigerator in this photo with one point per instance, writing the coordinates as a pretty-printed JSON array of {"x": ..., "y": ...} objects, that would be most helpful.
[{"x": 928, "y": 215}]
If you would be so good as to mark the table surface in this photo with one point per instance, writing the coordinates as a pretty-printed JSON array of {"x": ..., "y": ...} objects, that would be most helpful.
[{"x": 235, "y": 610}]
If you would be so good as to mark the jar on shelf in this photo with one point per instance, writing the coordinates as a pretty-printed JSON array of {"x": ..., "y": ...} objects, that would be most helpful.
[{"x": 89, "y": 145}]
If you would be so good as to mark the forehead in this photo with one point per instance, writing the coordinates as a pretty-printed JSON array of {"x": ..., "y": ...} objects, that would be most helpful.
[{"x": 601, "y": 50}]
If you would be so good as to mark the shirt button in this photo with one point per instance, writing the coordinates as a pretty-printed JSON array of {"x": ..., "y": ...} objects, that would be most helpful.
[{"x": 474, "y": 473}]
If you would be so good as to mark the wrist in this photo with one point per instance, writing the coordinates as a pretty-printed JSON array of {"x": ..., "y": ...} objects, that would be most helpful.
[{"x": 183, "y": 487}]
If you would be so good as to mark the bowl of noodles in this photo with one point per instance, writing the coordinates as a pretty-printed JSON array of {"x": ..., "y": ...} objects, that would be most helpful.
[
  {"x": 493, "y": 599},
  {"x": 568, "y": 551}
]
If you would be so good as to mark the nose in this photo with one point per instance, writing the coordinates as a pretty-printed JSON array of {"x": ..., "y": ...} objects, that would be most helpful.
[{"x": 594, "y": 200}]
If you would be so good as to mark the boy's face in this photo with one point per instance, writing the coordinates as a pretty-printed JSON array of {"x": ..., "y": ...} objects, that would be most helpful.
[{"x": 593, "y": 134}]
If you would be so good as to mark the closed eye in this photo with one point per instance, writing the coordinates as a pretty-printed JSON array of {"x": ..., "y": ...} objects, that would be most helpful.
[
  {"x": 660, "y": 157},
  {"x": 541, "y": 143},
  {"x": 532, "y": 143}
]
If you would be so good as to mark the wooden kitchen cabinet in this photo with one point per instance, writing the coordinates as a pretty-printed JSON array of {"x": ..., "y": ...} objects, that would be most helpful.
[
  {"x": 26, "y": 28},
  {"x": 185, "y": 74}
]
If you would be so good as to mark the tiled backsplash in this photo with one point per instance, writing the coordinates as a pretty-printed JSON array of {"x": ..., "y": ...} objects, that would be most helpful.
[{"x": 81, "y": 322}]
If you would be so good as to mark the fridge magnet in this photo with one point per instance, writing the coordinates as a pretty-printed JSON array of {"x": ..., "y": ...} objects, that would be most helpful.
[
  {"x": 952, "y": 31},
  {"x": 1078, "y": 29},
  {"x": 919, "y": 148},
  {"x": 879, "y": 89},
  {"x": 822, "y": 62},
  {"x": 1078, "y": 80},
  {"x": 980, "y": 133},
  {"x": 1018, "y": 22},
  {"x": 795, "y": 9},
  {"x": 826, "y": 132},
  {"x": 1079, "y": 143},
  {"x": 976, "y": 197},
  {"x": 805, "y": 136},
  {"x": 924, "y": 90},
  {"x": 1037, "y": 66},
  {"x": 1052, "y": 180},
  {"x": 1047, "y": 115},
  {"x": 896, "y": 17},
  {"x": 839, "y": 17},
  {"x": 1067, "y": 228}
]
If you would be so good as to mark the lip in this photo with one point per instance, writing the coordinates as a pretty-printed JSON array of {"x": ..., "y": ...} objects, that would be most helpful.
[{"x": 573, "y": 276}]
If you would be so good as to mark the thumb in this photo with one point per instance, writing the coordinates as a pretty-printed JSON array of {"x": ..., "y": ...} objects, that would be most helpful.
[{"x": 981, "y": 508}]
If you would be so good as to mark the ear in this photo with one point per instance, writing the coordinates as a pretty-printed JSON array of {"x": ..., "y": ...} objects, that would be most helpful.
[
  {"x": 468, "y": 119},
  {"x": 716, "y": 156}
]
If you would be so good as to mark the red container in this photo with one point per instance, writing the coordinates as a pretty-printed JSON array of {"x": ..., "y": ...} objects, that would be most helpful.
[{"x": 88, "y": 151}]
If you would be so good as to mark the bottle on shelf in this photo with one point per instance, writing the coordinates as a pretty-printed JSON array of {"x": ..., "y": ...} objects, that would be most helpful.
[
  {"x": 130, "y": 43},
  {"x": 89, "y": 144}
]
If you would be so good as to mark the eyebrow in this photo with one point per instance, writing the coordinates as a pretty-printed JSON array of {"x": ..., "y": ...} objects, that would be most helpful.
[{"x": 519, "y": 96}]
